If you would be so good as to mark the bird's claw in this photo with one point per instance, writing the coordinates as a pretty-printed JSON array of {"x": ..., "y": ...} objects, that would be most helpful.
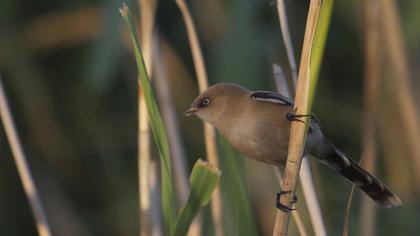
[
  {"x": 292, "y": 116},
  {"x": 283, "y": 207}
]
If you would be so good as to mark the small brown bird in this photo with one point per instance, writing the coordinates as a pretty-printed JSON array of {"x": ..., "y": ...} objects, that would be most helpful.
[{"x": 257, "y": 124}]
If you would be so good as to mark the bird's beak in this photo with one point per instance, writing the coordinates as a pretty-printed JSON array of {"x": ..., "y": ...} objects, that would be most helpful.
[{"x": 190, "y": 111}]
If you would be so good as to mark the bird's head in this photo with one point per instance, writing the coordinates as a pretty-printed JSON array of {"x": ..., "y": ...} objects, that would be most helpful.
[{"x": 213, "y": 103}]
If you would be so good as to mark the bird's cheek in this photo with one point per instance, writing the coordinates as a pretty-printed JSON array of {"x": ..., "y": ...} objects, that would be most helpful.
[
  {"x": 200, "y": 115},
  {"x": 203, "y": 116}
]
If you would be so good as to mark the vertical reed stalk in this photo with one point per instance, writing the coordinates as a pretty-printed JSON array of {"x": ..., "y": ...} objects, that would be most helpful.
[
  {"x": 305, "y": 172},
  {"x": 311, "y": 199},
  {"x": 280, "y": 81},
  {"x": 282, "y": 88},
  {"x": 147, "y": 12},
  {"x": 372, "y": 79},
  {"x": 147, "y": 23},
  {"x": 295, "y": 214},
  {"x": 284, "y": 26},
  {"x": 347, "y": 213},
  {"x": 174, "y": 134},
  {"x": 398, "y": 61},
  {"x": 156, "y": 124},
  {"x": 22, "y": 166},
  {"x": 169, "y": 117},
  {"x": 209, "y": 132},
  {"x": 144, "y": 166},
  {"x": 298, "y": 130},
  {"x": 346, "y": 219},
  {"x": 156, "y": 227}
]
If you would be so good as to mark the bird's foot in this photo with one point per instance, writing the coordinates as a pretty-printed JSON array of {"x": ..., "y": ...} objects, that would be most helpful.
[
  {"x": 283, "y": 207},
  {"x": 292, "y": 116}
]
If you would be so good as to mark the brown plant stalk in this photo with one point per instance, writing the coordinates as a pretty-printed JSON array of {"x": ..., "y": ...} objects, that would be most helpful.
[
  {"x": 295, "y": 214},
  {"x": 305, "y": 176},
  {"x": 282, "y": 88},
  {"x": 22, "y": 166},
  {"x": 209, "y": 131},
  {"x": 173, "y": 130},
  {"x": 284, "y": 26},
  {"x": 298, "y": 129},
  {"x": 146, "y": 171},
  {"x": 346, "y": 219},
  {"x": 397, "y": 57},
  {"x": 372, "y": 79}
]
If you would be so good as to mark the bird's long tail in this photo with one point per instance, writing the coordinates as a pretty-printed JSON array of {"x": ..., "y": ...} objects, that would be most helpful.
[{"x": 373, "y": 187}]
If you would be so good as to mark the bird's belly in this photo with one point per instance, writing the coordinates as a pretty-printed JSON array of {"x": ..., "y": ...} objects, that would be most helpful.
[
  {"x": 272, "y": 152},
  {"x": 257, "y": 141}
]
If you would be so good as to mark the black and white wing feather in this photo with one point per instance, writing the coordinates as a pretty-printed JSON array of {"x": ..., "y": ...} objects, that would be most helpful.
[{"x": 266, "y": 96}]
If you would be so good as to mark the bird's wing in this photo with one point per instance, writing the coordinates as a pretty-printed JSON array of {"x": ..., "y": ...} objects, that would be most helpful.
[
  {"x": 266, "y": 96},
  {"x": 272, "y": 97}
]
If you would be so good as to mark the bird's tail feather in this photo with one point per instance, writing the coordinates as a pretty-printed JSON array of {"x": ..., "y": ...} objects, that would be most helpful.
[{"x": 373, "y": 187}]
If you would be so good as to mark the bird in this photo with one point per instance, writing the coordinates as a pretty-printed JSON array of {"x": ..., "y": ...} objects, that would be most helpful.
[{"x": 257, "y": 124}]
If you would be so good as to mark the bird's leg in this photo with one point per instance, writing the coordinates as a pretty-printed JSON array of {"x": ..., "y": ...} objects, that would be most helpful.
[
  {"x": 282, "y": 207},
  {"x": 292, "y": 116}
]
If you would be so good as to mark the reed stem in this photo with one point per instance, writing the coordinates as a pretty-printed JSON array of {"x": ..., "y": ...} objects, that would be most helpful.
[
  {"x": 22, "y": 166},
  {"x": 209, "y": 131},
  {"x": 298, "y": 130}
]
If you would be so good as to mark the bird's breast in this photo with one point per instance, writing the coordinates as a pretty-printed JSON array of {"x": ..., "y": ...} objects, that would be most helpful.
[{"x": 263, "y": 137}]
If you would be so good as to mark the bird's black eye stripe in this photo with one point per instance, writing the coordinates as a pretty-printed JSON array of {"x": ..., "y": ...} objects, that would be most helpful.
[{"x": 205, "y": 102}]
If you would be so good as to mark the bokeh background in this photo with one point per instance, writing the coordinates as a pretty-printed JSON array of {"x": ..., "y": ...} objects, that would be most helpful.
[{"x": 70, "y": 76}]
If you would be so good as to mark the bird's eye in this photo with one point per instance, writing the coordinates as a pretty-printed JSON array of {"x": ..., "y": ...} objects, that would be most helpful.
[{"x": 205, "y": 102}]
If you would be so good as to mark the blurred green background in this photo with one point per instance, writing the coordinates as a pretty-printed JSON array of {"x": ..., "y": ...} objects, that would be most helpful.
[{"x": 70, "y": 76}]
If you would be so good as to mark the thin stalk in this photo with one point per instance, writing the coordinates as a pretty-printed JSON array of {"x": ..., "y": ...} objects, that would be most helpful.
[
  {"x": 169, "y": 117},
  {"x": 347, "y": 213},
  {"x": 401, "y": 77},
  {"x": 197, "y": 55},
  {"x": 284, "y": 26},
  {"x": 155, "y": 198},
  {"x": 147, "y": 28},
  {"x": 156, "y": 123},
  {"x": 311, "y": 199},
  {"x": 147, "y": 13},
  {"x": 209, "y": 131},
  {"x": 22, "y": 166},
  {"x": 396, "y": 169},
  {"x": 368, "y": 209},
  {"x": 346, "y": 219},
  {"x": 144, "y": 161},
  {"x": 295, "y": 214},
  {"x": 371, "y": 90},
  {"x": 280, "y": 81},
  {"x": 174, "y": 134},
  {"x": 298, "y": 129},
  {"x": 305, "y": 174}
]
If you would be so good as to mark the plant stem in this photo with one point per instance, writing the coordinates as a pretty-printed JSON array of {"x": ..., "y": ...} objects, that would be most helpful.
[
  {"x": 305, "y": 175},
  {"x": 22, "y": 166},
  {"x": 373, "y": 62},
  {"x": 209, "y": 131},
  {"x": 401, "y": 77},
  {"x": 298, "y": 129},
  {"x": 145, "y": 172},
  {"x": 281, "y": 9},
  {"x": 295, "y": 214},
  {"x": 156, "y": 124},
  {"x": 174, "y": 134}
]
